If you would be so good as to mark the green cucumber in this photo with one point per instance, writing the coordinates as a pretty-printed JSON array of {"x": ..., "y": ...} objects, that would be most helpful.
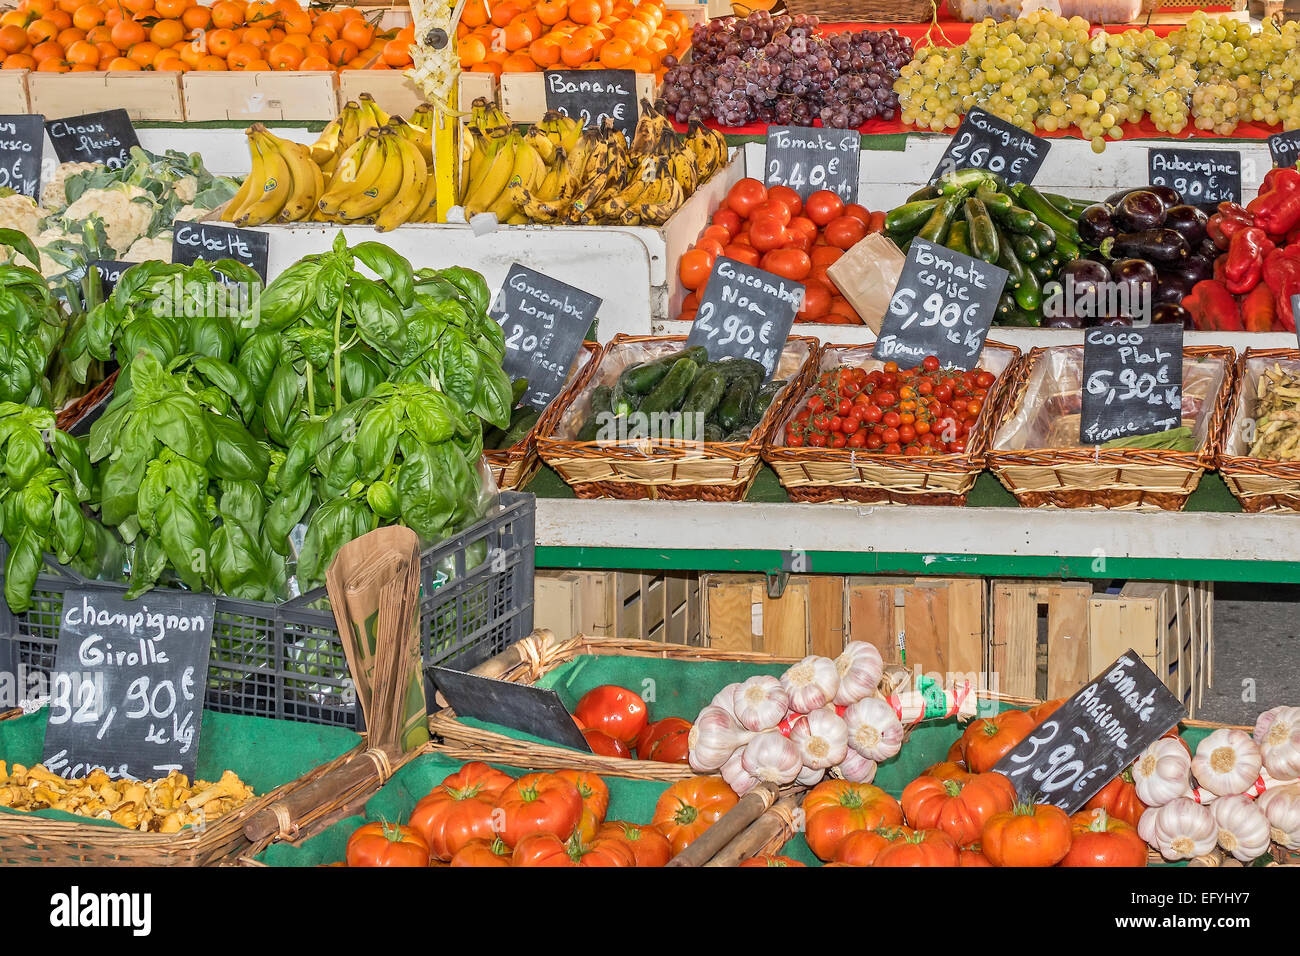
[
  {"x": 763, "y": 400},
  {"x": 602, "y": 397},
  {"x": 734, "y": 368},
  {"x": 1033, "y": 200},
  {"x": 1024, "y": 247},
  {"x": 641, "y": 379},
  {"x": 983, "y": 234},
  {"x": 1015, "y": 218},
  {"x": 993, "y": 199},
  {"x": 937, "y": 226},
  {"x": 964, "y": 180},
  {"x": 706, "y": 391},
  {"x": 670, "y": 391},
  {"x": 735, "y": 405},
  {"x": 959, "y": 237},
  {"x": 908, "y": 218}
]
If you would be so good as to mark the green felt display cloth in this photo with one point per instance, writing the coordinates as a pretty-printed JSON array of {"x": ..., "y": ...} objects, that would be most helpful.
[
  {"x": 631, "y": 800},
  {"x": 265, "y": 753}
]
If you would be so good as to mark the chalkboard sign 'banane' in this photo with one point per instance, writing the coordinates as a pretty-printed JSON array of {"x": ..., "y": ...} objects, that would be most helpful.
[
  {"x": 594, "y": 95},
  {"x": 128, "y": 684}
]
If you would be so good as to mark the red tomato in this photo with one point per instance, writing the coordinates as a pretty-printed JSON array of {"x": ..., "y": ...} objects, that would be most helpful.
[
  {"x": 694, "y": 268},
  {"x": 459, "y": 809},
  {"x": 930, "y": 363},
  {"x": 546, "y": 849},
  {"x": 861, "y": 847},
  {"x": 721, "y": 234},
  {"x": 602, "y": 743},
  {"x": 768, "y": 233},
  {"x": 788, "y": 263},
  {"x": 922, "y": 848},
  {"x": 816, "y": 301},
  {"x": 858, "y": 211},
  {"x": 728, "y": 219},
  {"x": 845, "y": 232},
  {"x": 595, "y": 800},
  {"x": 835, "y": 808},
  {"x": 802, "y": 225},
  {"x": 385, "y": 844},
  {"x": 823, "y": 206},
  {"x": 692, "y": 301},
  {"x": 1098, "y": 839},
  {"x": 746, "y": 254},
  {"x": 615, "y": 710},
  {"x": 773, "y": 208},
  {"x": 648, "y": 845},
  {"x": 826, "y": 255},
  {"x": 788, "y": 196},
  {"x": 539, "y": 803},
  {"x": 689, "y": 807},
  {"x": 482, "y": 853},
  {"x": 709, "y": 245},
  {"x": 989, "y": 739},
  {"x": 666, "y": 741},
  {"x": 745, "y": 195}
]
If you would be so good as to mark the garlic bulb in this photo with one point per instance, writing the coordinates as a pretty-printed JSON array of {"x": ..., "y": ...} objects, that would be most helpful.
[
  {"x": 1226, "y": 762},
  {"x": 1180, "y": 829},
  {"x": 1278, "y": 734},
  {"x": 859, "y": 667},
  {"x": 1281, "y": 807},
  {"x": 726, "y": 698},
  {"x": 1162, "y": 773},
  {"x": 855, "y": 768},
  {"x": 874, "y": 729},
  {"x": 772, "y": 758},
  {"x": 811, "y": 683},
  {"x": 1243, "y": 828},
  {"x": 822, "y": 738},
  {"x": 714, "y": 737},
  {"x": 810, "y": 777},
  {"x": 738, "y": 778},
  {"x": 760, "y": 703}
]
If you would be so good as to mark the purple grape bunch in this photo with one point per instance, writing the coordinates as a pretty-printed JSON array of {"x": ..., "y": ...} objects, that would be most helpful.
[{"x": 776, "y": 69}]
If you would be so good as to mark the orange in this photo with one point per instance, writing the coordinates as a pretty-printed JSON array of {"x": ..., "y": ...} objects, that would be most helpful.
[
  {"x": 40, "y": 7},
  {"x": 107, "y": 51},
  {"x": 487, "y": 66},
  {"x": 406, "y": 34},
  {"x": 168, "y": 62},
  {"x": 325, "y": 34},
  {"x": 615, "y": 53},
  {"x": 259, "y": 37},
  {"x": 552, "y": 12},
  {"x": 220, "y": 42},
  {"x": 655, "y": 45},
  {"x": 122, "y": 63},
  {"x": 330, "y": 19},
  {"x": 300, "y": 40},
  {"x": 576, "y": 51},
  {"x": 471, "y": 50},
  {"x": 16, "y": 19},
  {"x": 143, "y": 53},
  {"x": 83, "y": 68},
  {"x": 288, "y": 8},
  {"x": 53, "y": 64},
  {"x": 167, "y": 32},
  {"x": 70, "y": 6},
  {"x": 474, "y": 14},
  {"x": 70, "y": 36},
  {"x": 210, "y": 62},
  {"x": 606, "y": 7},
  {"x": 341, "y": 51},
  {"x": 41, "y": 30},
  {"x": 227, "y": 13},
  {"x": 504, "y": 12},
  {"x": 314, "y": 48},
  {"x": 584, "y": 11},
  {"x": 48, "y": 50},
  {"x": 18, "y": 61},
  {"x": 545, "y": 51},
  {"x": 61, "y": 19},
  {"x": 127, "y": 34},
  {"x": 114, "y": 15},
  {"x": 99, "y": 34},
  {"x": 347, "y": 14},
  {"x": 87, "y": 16},
  {"x": 314, "y": 63},
  {"x": 190, "y": 52},
  {"x": 641, "y": 65},
  {"x": 260, "y": 11},
  {"x": 517, "y": 35},
  {"x": 171, "y": 9},
  {"x": 284, "y": 56},
  {"x": 13, "y": 39},
  {"x": 634, "y": 32},
  {"x": 241, "y": 54},
  {"x": 196, "y": 18},
  {"x": 83, "y": 51},
  {"x": 396, "y": 53},
  {"x": 358, "y": 33},
  {"x": 257, "y": 66},
  {"x": 134, "y": 6},
  {"x": 519, "y": 63}
]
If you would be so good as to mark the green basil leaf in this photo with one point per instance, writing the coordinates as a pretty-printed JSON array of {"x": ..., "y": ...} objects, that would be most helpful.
[
  {"x": 287, "y": 296},
  {"x": 470, "y": 284},
  {"x": 210, "y": 335},
  {"x": 378, "y": 317},
  {"x": 430, "y": 416},
  {"x": 307, "y": 439},
  {"x": 24, "y": 456},
  {"x": 393, "y": 268},
  {"x": 183, "y": 426},
  {"x": 236, "y": 455},
  {"x": 25, "y": 562},
  {"x": 184, "y": 536},
  {"x": 376, "y": 442},
  {"x": 148, "y": 559},
  {"x": 230, "y": 380},
  {"x": 37, "y": 502},
  {"x": 258, "y": 358},
  {"x": 284, "y": 514},
  {"x": 281, "y": 403},
  {"x": 69, "y": 529}
]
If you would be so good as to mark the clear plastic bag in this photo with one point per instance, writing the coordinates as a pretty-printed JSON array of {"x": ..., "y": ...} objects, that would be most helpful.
[
  {"x": 973, "y": 11},
  {"x": 1102, "y": 11},
  {"x": 1048, "y": 413},
  {"x": 1247, "y": 402},
  {"x": 1094, "y": 11}
]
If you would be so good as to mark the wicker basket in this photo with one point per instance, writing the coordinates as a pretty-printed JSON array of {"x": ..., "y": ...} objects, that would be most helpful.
[
  {"x": 1121, "y": 478},
  {"x": 866, "y": 11},
  {"x": 1260, "y": 484},
  {"x": 75, "y": 411},
  {"x": 671, "y": 470},
  {"x": 538, "y": 654},
  {"x": 848, "y": 474},
  {"x": 514, "y": 467}
]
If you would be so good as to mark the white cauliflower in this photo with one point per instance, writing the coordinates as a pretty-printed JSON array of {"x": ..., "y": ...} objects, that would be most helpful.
[
  {"x": 125, "y": 218},
  {"x": 190, "y": 213},
  {"x": 19, "y": 212},
  {"x": 54, "y": 194},
  {"x": 51, "y": 267},
  {"x": 146, "y": 249},
  {"x": 186, "y": 188}
]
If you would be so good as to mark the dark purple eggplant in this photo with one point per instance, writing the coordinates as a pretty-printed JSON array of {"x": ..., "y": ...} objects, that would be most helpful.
[
  {"x": 1194, "y": 268},
  {"x": 1062, "y": 322},
  {"x": 1085, "y": 271},
  {"x": 1167, "y": 313},
  {"x": 1172, "y": 288},
  {"x": 1189, "y": 222},
  {"x": 1139, "y": 211},
  {"x": 1096, "y": 224},
  {"x": 1112, "y": 320},
  {"x": 1135, "y": 281},
  {"x": 1083, "y": 283},
  {"x": 1207, "y": 248},
  {"x": 1167, "y": 196},
  {"x": 1158, "y": 245}
]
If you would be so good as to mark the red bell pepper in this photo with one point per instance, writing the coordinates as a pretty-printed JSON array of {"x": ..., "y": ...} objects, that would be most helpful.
[
  {"x": 1246, "y": 259},
  {"x": 1230, "y": 219},
  {"x": 1259, "y": 309},
  {"x": 1213, "y": 307},
  {"x": 1277, "y": 212},
  {"x": 1220, "y": 264},
  {"x": 1282, "y": 276}
]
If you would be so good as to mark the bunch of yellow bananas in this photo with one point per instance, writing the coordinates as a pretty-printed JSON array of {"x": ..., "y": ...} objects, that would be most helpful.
[
  {"x": 366, "y": 166},
  {"x": 557, "y": 172}
]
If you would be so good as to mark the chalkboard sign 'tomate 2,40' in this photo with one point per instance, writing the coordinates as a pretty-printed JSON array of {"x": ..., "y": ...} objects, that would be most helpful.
[{"x": 809, "y": 159}]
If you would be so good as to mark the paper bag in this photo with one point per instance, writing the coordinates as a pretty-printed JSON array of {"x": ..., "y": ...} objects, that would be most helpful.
[{"x": 866, "y": 276}]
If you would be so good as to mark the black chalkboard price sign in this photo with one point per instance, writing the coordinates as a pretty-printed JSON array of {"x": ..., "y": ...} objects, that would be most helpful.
[
  {"x": 593, "y": 95},
  {"x": 745, "y": 313},
  {"x": 1285, "y": 147},
  {"x": 128, "y": 684},
  {"x": 808, "y": 159},
  {"x": 983, "y": 141},
  {"x": 536, "y": 710},
  {"x": 1089, "y": 740},
  {"x": 109, "y": 270},
  {"x": 105, "y": 137},
  {"x": 22, "y": 141},
  {"x": 211, "y": 241},
  {"x": 943, "y": 305},
  {"x": 1200, "y": 176},
  {"x": 1132, "y": 381},
  {"x": 545, "y": 321}
]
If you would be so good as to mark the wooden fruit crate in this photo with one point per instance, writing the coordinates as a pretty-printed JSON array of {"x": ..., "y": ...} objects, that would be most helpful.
[
  {"x": 13, "y": 92},
  {"x": 396, "y": 93},
  {"x": 260, "y": 96},
  {"x": 808, "y": 617},
  {"x": 655, "y": 606},
  {"x": 933, "y": 625},
  {"x": 1037, "y": 623},
  {"x": 145, "y": 95}
]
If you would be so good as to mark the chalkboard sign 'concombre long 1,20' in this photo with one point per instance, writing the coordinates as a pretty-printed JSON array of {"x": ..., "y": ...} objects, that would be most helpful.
[{"x": 128, "y": 684}]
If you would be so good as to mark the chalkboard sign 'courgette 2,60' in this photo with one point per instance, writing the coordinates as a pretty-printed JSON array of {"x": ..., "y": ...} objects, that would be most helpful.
[{"x": 983, "y": 141}]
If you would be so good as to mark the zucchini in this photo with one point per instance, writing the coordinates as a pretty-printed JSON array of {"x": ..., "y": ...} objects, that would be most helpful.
[
  {"x": 1044, "y": 235},
  {"x": 1030, "y": 294},
  {"x": 1024, "y": 247},
  {"x": 670, "y": 391},
  {"x": 983, "y": 234},
  {"x": 959, "y": 237},
  {"x": 925, "y": 192},
  {"x": 642, "y": 378},
  {"x": 908, "y": 218},
  {"x": 1033, "y": 200},
  {"x": 991, "y": 198},
  {"x": 1063, "y": 203},
  {"x": 1022, "y": 319},
  {"x": 519, "y": 430},
  {"x": 1016, "y": 268},
  {"x": 602, "y": 397},
  {"x": 735, "y": 405},
  {"x": 963, "y": 180},
  {"x": 940, "y": 221},
  {"x": 1014, "y": 218},
  {"x": 706, "y": 391},
  {"x": 1045, "y": 269}
]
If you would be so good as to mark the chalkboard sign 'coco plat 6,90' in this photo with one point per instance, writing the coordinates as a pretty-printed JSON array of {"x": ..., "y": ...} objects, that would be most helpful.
[
  {"x": 105, "y": 137},
  {"x": 128, "y": 684},
  {"x": 745, "y": 313},
  {"x": 1132, "y": 382}
]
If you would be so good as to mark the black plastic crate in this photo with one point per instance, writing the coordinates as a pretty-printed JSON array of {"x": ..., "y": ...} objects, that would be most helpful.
[{"x": 286, "y": 660}]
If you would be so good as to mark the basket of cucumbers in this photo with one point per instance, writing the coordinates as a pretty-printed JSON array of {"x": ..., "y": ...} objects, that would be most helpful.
[
  {"x": 511, "y": 452},
  {"x": 659, "y": 420}
]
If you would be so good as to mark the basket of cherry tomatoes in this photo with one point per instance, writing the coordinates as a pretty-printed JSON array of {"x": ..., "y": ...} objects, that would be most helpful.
[{"x": 867, "y": 430}]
